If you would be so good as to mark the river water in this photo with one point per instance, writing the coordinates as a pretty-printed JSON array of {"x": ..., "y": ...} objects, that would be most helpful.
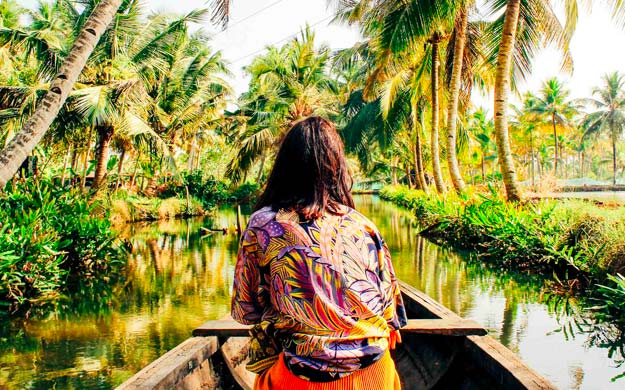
[{"x": 177, "y": 278}]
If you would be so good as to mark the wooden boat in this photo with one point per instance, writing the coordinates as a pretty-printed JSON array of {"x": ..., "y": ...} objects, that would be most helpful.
[{"x": 440, "y": 350}]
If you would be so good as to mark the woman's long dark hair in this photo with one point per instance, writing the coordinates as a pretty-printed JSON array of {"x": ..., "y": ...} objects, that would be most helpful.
[{"x": 310, "y": 174}]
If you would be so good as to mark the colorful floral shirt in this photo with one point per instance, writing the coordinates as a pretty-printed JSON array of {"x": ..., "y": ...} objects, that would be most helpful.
[{"x": 327, "y": 285}]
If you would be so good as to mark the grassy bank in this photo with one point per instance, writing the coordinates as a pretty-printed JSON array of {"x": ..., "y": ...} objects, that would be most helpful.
[
  {"x": 191, "y": 196},
  {"x": 575, "y": 242}
]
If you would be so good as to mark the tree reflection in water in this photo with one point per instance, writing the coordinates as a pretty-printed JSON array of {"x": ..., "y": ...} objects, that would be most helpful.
[
  {"x": 515, "y": 308},
  {"x": 177, "y": 278}
]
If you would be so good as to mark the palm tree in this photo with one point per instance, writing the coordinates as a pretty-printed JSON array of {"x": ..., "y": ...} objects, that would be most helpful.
[
  {"x": 610, "y": 112},
  {"x": 553, "y": 107},
  {"x": 20, "y": 146},
  {"x": 435, "y": 41},
  {"x": 288, "y": 84},
  {"x": 526, "y": 125},
  {"x": 455, "y": 85},
  {"x": 517, "y": 35},
  {"x": 481, "y": 130}
]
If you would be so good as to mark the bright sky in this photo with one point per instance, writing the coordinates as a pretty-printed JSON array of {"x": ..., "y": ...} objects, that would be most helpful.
[{"x": 597, "y": 47}]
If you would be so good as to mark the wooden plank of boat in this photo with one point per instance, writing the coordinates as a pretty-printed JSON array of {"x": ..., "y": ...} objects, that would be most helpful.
[
  {"x": 423, "y": 360},
  {"x": 188, "y": 366},
  {"x": 485, "y": 353},
  {"x": 444, "y": 327}
]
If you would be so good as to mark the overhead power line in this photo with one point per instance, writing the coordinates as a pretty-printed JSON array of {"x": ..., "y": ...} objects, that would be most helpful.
[
  {"x": 265, "y": 8},
  {"x": 279, "y": 41}
]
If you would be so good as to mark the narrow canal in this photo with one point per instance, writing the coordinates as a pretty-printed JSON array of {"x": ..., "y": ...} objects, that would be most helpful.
[{"x": 177, "y": 278}]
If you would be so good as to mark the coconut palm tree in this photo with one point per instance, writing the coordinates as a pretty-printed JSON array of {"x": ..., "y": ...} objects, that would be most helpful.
[
  {"x": 526, "y": 125},
  {"x": 462, "y": 25},
  {"x": 481, "y": 130},
  {"x": 609, "y": 114},
  {"x": 287, "y": 84},
  {"x": 553, "y": 107},
  {"x": 20, "y": 146},
  {"x": 515, "y": 37}
]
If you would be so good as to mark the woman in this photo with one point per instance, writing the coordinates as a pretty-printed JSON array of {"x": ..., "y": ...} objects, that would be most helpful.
[{"x": 315, "y": 277}]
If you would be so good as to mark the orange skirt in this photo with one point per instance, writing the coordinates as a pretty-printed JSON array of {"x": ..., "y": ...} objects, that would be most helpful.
[{"x": 381, "y": 375}]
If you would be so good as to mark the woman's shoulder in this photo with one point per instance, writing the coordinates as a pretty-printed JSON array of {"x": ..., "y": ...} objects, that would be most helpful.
[
  {"x": 261, "y": 217},
  {"x": 360, "y": 218}
]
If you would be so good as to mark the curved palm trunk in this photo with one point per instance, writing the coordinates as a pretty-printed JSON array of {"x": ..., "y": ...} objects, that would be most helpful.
[
  {"x": 418, "y": 151},
  {"x": 452, "y": 111},
  {"x": 614, "y": 135},
  {"x": 85, "y": 166},
  {"x": 556, "y": 146},
  {"x": 105, "y": 133},
  {"x": 502, "y": 92},
  {"x": 25, "y": 141},
  {"x": 436, "y": 162},
  {"x": 120, "y": 168}
]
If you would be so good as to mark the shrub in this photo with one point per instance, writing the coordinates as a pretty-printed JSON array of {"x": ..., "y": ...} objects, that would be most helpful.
[
  {"x": 209, "y": 191},
  {"x": 576, "y": 242},
  {"x": 51, "y": 244}
]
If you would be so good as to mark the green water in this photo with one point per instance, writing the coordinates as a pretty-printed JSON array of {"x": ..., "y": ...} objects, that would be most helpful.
[{"x": 177, "y": 278}]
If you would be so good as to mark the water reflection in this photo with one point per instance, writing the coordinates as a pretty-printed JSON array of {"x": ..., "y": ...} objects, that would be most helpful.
[
  {"x": 177, "y": 278},
  {"x": 554, "y": 335}
]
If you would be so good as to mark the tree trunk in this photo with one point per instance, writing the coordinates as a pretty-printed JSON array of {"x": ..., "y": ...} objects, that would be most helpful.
[
  {"x": 581, "y": 165},
  {"x": 419, "y": 148},
  {"x": 85, "y": 166},
  {"x": 198, "y": 158},
  {"x": 105, "y": 134},
  {"x": 120, "y": 168},
  {"x": 74, "y": 159},
  {"x": 556, "y": 146},
  {"x": 436, "y": 162},
  {"x": 65, "y": 164},
  {"x": 409, "y": 173},
  {"x": 34, "y": 129},
  {"x": 452, "y": 111},
  {"x": 191, "y": 161},
  {"x": 134, "y": 172},
  {"x": 483, "y": 169},
  {"x": 394, "y": 180},
  {"x": 613, "y": 133},
  {"x": 502, "y": 92}
]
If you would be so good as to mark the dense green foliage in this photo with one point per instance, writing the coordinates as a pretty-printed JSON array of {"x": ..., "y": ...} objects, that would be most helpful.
[
  {"x": 572, "y": 239},
  {"x": 52, "y": 243},
  {"x": 210, "y": 191},
  {"x": 576, "y": 242}
]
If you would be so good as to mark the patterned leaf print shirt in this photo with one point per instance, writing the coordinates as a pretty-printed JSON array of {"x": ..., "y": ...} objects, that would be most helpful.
[{"x": 327, "y": 285}]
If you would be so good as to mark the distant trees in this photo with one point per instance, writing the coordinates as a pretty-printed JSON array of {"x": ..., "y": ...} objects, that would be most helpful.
[{"x": 608, "y": 116}]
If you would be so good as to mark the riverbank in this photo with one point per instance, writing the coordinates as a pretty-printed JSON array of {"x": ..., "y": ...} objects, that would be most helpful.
[
  {"x": 59, "y": 245},
  {"x": 574, "y": 243}
]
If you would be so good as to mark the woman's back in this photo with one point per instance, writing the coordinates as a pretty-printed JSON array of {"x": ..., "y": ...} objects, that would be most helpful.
[
  {"x": 327, "y": 286},
  {"x": 315, "y": 275}
]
